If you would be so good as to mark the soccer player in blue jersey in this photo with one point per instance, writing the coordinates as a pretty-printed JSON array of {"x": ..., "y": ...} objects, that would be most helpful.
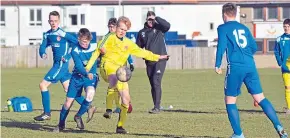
[
  {"x": 112, "y": 94},
  {"x": 81, "y": 79},
  {"x": 58, "y": 40},
  {"x": 240, "y": 46},
  {"x": 282, "y": 53}
]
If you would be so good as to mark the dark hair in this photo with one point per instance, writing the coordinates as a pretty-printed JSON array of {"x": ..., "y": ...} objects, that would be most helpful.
[
  {"x": 287, "y": 21},
  {"x": 230, "y": 9},
  {"x": 84, "y": 32},
  {"x": 112, "y": 21},
  {"x": 54, "y": 13},
  {"x": 150, "y": 13}
]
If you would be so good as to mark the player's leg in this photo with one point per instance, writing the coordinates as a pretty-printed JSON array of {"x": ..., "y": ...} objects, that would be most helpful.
[
  {"x": 286, "y": 78},
  {"x": 156, "y": 79},
  {"x": 150, "y": 67},
  {"x": 45, "y": 95},
  {"x": 90, "y": 89},
  {"x": 117, "y": 101},
  {"x": 74, "y": 90},
  {"x": 233, "y": 82},
  {"x": 105, "y": 70},
  {"x": 123, "y": 89},
  {"x": 252, "y": 82},
  {"x": 110, "y": 95}
]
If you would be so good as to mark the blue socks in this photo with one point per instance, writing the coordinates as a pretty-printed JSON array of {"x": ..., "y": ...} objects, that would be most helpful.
[
  {"x": 233, "y": 115},
  {"x": 84, "y": 107},
  {"x": 270, "y": 112},
  {"x": 80, "y": 99},
  {"x": 46, "y": 101},
  {"x": 62, "y": 116}
]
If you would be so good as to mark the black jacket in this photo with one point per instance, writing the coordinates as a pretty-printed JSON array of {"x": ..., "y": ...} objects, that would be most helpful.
[{"x": 152, "y": 39}]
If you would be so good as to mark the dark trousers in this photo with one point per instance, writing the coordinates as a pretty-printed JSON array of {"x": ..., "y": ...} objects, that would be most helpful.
[{"x": 155, "y": 72}]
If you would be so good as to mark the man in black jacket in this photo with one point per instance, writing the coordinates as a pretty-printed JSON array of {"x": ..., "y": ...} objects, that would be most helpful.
[{"x": 151, "y": 37}]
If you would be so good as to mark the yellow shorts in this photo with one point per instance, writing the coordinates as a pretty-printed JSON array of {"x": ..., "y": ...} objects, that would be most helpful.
[
  {"x": 286, "y": 76},
  {"x": 107, "y": 69}
]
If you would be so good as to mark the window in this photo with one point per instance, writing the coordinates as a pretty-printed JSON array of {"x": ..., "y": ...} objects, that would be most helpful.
[
  {"x": 83, "y": 19},
  {"x": 271, "y": 45},
  {"x": 3, "y": 42},
  {"x": 286, "y": 12},
  {"x": 110, "y": 13},
  {"x": 272, "y": 13},
  {"x": 34, "y": 41},
  {"x": 144, "y": 13},
  {"x": 211, "y": 26},
  {"x": 35, "y": 17},
  {"x": 2, "y": 17},
  {"x": 260, "y": 45},
  {"x": 74, "y": 19},
  {"x": 258, "y": 13}
]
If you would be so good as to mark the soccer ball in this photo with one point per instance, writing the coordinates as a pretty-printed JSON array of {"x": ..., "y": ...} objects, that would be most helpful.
[{"x": 123, "y": 74}]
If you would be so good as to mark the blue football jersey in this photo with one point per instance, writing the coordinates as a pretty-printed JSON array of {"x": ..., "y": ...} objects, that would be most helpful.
[
  {"x": 59, "y": 41},
  {"x": 237, "y": 41}
]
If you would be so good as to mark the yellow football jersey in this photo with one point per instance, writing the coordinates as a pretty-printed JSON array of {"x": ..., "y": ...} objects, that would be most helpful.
[{"x": 118, "y": 50}]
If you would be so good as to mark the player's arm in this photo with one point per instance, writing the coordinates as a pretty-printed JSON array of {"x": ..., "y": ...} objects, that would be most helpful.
[
  {"x": 277, "y": 52},
  {"x": 221, "y": 47},
  {"x": 130, "y": 60},
  {"x": 79, "y": 66},
  {"x": 72, "y": 39},
  {"x": 139, "y": 40},
  {"x": 93, "y": 59},
  {"x": 142, "y": 53},
  {"x": 43, "y": 46},
  {"x": 162, "y": 24},
  {"x": 97, "y": 52},
  {"x": 67, "y": 57}
]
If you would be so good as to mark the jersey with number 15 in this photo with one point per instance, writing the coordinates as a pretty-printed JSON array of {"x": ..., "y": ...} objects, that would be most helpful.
[{"x": 239, "y": 44}]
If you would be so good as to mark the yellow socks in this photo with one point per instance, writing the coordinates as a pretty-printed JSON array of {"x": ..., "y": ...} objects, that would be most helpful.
[
  {"x": 110, "y": 98},
  {"x": 117, "y": 99},
  {"x": 123, "y": 115}
]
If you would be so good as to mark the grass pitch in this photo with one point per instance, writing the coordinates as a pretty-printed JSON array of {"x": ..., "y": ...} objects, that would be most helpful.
[{"x": 196, "y": 97}]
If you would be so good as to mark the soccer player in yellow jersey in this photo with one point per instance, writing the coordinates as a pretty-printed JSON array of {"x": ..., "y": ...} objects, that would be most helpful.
[{"x": 115, "y": 49}]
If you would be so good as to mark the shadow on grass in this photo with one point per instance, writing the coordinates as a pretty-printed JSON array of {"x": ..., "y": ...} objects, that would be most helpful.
[
  {"x": 220, "y": 111},
  {"x": 22, "y": 125},
  {"x": 49, "y": 128},
  {"x": 193, "y": 112},
  {"x": 70, "y": 130}
]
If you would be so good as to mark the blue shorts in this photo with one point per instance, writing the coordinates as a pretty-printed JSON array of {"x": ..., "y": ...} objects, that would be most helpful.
[
  {"x": 237, "y": 75},
  {"x": 78, "y": 83},
  {"x": 58, "y": 72}
]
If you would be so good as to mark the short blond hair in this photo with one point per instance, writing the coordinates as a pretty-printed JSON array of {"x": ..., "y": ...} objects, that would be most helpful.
[{"x": 124, "y": 20}]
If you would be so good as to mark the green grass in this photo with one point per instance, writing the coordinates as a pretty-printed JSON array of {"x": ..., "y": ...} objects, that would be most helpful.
[{"x": 196, "y": 95}]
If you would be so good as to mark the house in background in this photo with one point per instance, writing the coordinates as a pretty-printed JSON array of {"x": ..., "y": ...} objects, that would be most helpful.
[
  {"x": 23, "y": 22},
  {"x": 265, "y": 20},
  {"x": 29, "y": 19}
]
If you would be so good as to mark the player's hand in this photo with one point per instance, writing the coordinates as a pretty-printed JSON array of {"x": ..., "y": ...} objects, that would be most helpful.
[
  {"x": 102, "y": 50},
  {"x": 164, "y": 57},
  {"x": 218, "y": 70},
  {"x": 44, "y": 56},
  {"x": 91, "y": 76},
  {"x": 132, "y": 67}
]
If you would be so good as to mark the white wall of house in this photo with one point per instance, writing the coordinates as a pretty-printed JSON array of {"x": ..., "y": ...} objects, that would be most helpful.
[{"x": 183, "y": 18}]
